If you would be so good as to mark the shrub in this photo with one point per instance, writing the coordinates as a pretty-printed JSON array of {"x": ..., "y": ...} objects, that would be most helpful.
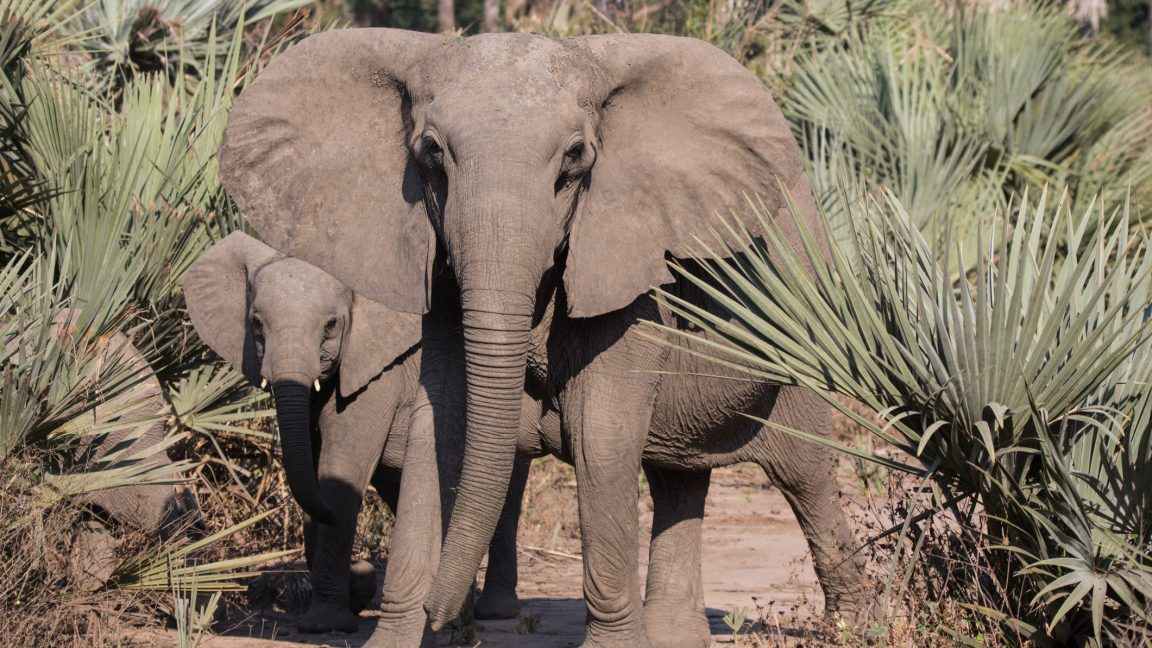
[
  {"x": 110, "y": 115},
  {"x": 1020, "y": 389}
]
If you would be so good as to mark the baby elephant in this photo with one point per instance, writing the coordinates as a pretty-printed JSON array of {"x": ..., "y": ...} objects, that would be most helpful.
[{"x": 345, "y": 374}]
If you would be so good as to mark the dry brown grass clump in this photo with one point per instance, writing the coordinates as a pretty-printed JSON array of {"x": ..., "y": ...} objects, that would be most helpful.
[{"x": 43, "y": 593}]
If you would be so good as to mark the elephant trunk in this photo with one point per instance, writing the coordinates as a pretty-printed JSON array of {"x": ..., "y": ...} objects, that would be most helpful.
[
  {"x": 293, "y": 399},
  {"x": 497, "y": 328}
]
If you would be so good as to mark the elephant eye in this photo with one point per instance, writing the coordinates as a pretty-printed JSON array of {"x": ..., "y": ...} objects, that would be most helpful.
[
  {"x": 430, "y": 152},
  {"x": 575, "y": 164},
  {"x": 330, "y": 326},
  {"x": 257, "y": 326}
]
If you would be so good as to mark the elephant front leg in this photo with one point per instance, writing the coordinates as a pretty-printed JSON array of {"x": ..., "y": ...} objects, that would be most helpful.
[
  {"x": 349, "y": 450},
  {"x": 607, "y": 421},
  {"x": 674, "y": 597},
  {"x": 362, "y": 577},
  {"x": 499, "y": 600},
  {"x": 330, "y": 609},
  {"x": 414, "y": 548}
]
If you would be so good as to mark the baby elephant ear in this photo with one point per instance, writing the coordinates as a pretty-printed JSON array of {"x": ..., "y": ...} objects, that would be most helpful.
[
  {"x": 686, "y": 132},
  {"x": 377, "y": 337},
  {"x": 216, "y": 290},
  {"x": 315, "y": 154}
]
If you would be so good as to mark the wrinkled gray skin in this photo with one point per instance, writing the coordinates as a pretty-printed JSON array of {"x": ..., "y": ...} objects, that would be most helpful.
[
  {"x": 524, "y": 193},
  {"x": 299, "y": 318}
]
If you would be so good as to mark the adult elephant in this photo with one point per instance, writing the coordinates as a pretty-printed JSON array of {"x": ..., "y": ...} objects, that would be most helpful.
[{"x": 526, "y": 192}]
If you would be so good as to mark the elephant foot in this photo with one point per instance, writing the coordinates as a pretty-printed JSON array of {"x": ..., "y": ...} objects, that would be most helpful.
[
  {"x": 676, "y": 627},
  {"x": 385, "y": 637},
  {"x": 856, "y": 611},
  {"x": 596, "y": 636},
  {"x": 862, "y": 620},
  {"x": 322, "y": 618},
  {"x": 497, "y": 602},
  {"x": 602, "y": 642},
  {"x": 361, "y": 585}
]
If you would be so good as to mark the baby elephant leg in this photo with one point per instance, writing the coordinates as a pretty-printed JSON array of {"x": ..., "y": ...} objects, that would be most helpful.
[
  {"x": 498, "y": 599},
  {"x": 343, "y": 474},
  {"x": 362, "y": 586}
]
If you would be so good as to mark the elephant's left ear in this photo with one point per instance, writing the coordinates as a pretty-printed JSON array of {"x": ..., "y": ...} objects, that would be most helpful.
[
  {"x": 377, "y": 337},
  {"x": 686, "y": 132}
]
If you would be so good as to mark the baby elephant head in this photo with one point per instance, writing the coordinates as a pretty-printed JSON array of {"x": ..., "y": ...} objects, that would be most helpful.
[{"x": 282, "y": 321}]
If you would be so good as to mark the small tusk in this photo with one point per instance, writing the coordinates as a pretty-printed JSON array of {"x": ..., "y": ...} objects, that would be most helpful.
[
  {"x": 263, "y": 383},
  {"x": 316, "y": 384}
]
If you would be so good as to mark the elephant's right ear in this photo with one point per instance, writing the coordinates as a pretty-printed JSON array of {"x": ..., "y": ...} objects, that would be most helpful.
[
  {"x": 316, "y": 157},
  {"x": 216, "y": 293}
]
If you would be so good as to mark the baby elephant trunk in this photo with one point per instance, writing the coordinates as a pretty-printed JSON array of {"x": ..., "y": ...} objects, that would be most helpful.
[{"x": 294, "y": 418}]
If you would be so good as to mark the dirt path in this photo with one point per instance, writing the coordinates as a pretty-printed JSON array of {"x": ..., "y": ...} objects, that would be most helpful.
[{"x": 752, "y": 548}]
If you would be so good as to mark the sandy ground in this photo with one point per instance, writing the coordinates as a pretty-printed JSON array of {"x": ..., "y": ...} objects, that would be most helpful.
[{"x": 754, "y": 554}]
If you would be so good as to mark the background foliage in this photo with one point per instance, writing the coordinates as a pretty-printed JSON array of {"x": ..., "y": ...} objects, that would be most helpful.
[{"x": 111, "y": 114}]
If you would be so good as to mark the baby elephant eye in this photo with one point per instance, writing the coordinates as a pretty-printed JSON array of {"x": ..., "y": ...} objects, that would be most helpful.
[
  {"x": 575, "y": 152},
  {"x": 330, "y": 325}
]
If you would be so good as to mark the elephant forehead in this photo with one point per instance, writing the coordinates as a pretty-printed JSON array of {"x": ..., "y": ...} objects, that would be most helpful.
[
  {"x": 501, "y": 71},
  {"x": 291, "y": 278}
]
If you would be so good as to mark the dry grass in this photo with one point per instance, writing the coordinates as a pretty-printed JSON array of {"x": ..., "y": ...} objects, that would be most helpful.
[
  {"x": 41, "y": 591},
  {"x": 550, "y": 519}
]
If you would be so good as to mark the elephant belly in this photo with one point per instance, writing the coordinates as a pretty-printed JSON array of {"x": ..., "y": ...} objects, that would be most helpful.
[{"x": 700, "y": 416}]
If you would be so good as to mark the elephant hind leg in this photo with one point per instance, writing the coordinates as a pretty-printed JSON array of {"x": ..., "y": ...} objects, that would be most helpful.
[
  {"x": 805, "y": 474},
  {"x": 674, "y": 613}
]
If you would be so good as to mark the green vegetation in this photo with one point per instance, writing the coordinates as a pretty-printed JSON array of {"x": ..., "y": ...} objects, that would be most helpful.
[
  {"x": 1018, "y": 393},
  {"x": 108, "y": 191},
  {"x": 957, "y": 113}
]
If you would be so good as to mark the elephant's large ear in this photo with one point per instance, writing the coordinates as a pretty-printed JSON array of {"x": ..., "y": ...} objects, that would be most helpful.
[
  {"x": 216, "y": 291},
  {"x": 686, "y": 132},
  {"x": 315, "y": 155},
  {"x": 378, "y": 336}
]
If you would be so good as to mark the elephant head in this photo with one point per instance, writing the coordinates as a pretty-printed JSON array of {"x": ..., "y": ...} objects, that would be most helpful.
[
  {"x": 521, "y": 162},
  {"x": 282, "y": 321}
]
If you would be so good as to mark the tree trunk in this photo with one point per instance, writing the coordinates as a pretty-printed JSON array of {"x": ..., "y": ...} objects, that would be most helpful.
[
  {"x": 618, "y": 11},
  {"x": 491, "y": 16},
  {"x": 446, "y": 15},
  {"x": 1089, "y": 13}
]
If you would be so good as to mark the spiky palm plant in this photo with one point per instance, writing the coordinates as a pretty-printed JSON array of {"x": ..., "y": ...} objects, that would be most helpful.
[
  {"x": 125, "y": 38},
  {"x": 107, "y": 198},
  {"x": 1022, "y": 387},
  {"x": 956, "y": 107}
]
